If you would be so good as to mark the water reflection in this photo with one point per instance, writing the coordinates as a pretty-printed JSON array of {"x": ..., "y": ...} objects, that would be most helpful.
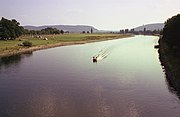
[
  {"x": 170, "y": 84},
  {"x": 9, "y": 61}
]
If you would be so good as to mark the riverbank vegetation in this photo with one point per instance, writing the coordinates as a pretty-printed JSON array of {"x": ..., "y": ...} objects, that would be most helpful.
[
  {"x": 170, "y": 50},
  {"x": 10, "y": 29},
  {"x": 9, "y": 47}
]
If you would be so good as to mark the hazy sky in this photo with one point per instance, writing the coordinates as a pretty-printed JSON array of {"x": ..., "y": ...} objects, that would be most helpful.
[{"x": 102, "y": 14}]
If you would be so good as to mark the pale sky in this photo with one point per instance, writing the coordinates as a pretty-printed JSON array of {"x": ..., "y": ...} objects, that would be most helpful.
[{"x": 102, "y": 14}]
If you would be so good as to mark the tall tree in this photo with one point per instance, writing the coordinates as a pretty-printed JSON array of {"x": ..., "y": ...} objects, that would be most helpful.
[
  {"x": 62, "y": 32},
  {"x": 91, "y": 30},
  {"x": 10, "y": 29}
]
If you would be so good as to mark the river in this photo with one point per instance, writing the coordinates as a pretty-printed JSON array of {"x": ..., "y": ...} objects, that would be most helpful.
[{"x": 64, "y": 82}]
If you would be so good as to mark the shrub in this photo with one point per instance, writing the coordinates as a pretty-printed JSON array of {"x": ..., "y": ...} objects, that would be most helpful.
[{"x": 27, "y": 43}]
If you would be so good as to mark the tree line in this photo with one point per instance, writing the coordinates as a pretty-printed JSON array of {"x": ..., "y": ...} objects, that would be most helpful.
[
  {"x": 171, "y": 33},
  {"x": 141, "y": 32},
  {"x": 11, "y": 29},
  {"x": 46, "y": 31}
]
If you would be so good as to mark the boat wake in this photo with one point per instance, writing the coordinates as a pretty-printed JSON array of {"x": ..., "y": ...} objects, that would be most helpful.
[{"x": 104, "y": 53}]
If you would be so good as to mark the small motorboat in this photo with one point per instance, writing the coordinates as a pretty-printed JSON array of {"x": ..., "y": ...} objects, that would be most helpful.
[{"x": 94, "y": 59}]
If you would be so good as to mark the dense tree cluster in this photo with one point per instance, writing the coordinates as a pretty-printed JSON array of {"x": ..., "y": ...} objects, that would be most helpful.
[
  {"x": 141, "y": 32},
  {"x": 10, "y": 29},
  {"x": 50, "y": 30},
  {"x": 91, "y": 31},
  {"x": 171, "y": 32},
  {"x": 46, "y": 31},
  {"x": 170, "y": 51}
]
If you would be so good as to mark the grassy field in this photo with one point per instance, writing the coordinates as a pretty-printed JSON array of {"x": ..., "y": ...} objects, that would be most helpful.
[{"x": 9, "y": 46}]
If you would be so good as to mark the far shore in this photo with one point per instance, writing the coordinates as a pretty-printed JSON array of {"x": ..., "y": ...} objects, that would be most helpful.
[{"x": 90, "y": 39}]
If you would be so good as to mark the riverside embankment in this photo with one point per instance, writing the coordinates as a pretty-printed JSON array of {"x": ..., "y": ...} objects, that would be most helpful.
[{"x": 11, "y": 47}]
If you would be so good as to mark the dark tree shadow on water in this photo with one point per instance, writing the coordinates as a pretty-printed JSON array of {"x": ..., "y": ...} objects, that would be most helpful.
[
  {"x": 172, "y": 88},
  {"x": 173, "y": 84},
  {"x": 6, "y": 62}
]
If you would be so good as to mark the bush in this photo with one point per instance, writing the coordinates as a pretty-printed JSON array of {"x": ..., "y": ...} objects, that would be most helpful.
[{"x": 27, "y": 43}]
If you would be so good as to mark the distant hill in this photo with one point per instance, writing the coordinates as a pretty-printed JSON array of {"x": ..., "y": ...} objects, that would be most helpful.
[
  {"x": 70, "y": 28},
  {"x": 151, "y": 27}
]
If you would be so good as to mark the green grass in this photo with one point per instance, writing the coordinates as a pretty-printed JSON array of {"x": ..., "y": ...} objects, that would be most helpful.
[
  {"x": 53, "y": 39},
  {"x": 9, "y": 45}
]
